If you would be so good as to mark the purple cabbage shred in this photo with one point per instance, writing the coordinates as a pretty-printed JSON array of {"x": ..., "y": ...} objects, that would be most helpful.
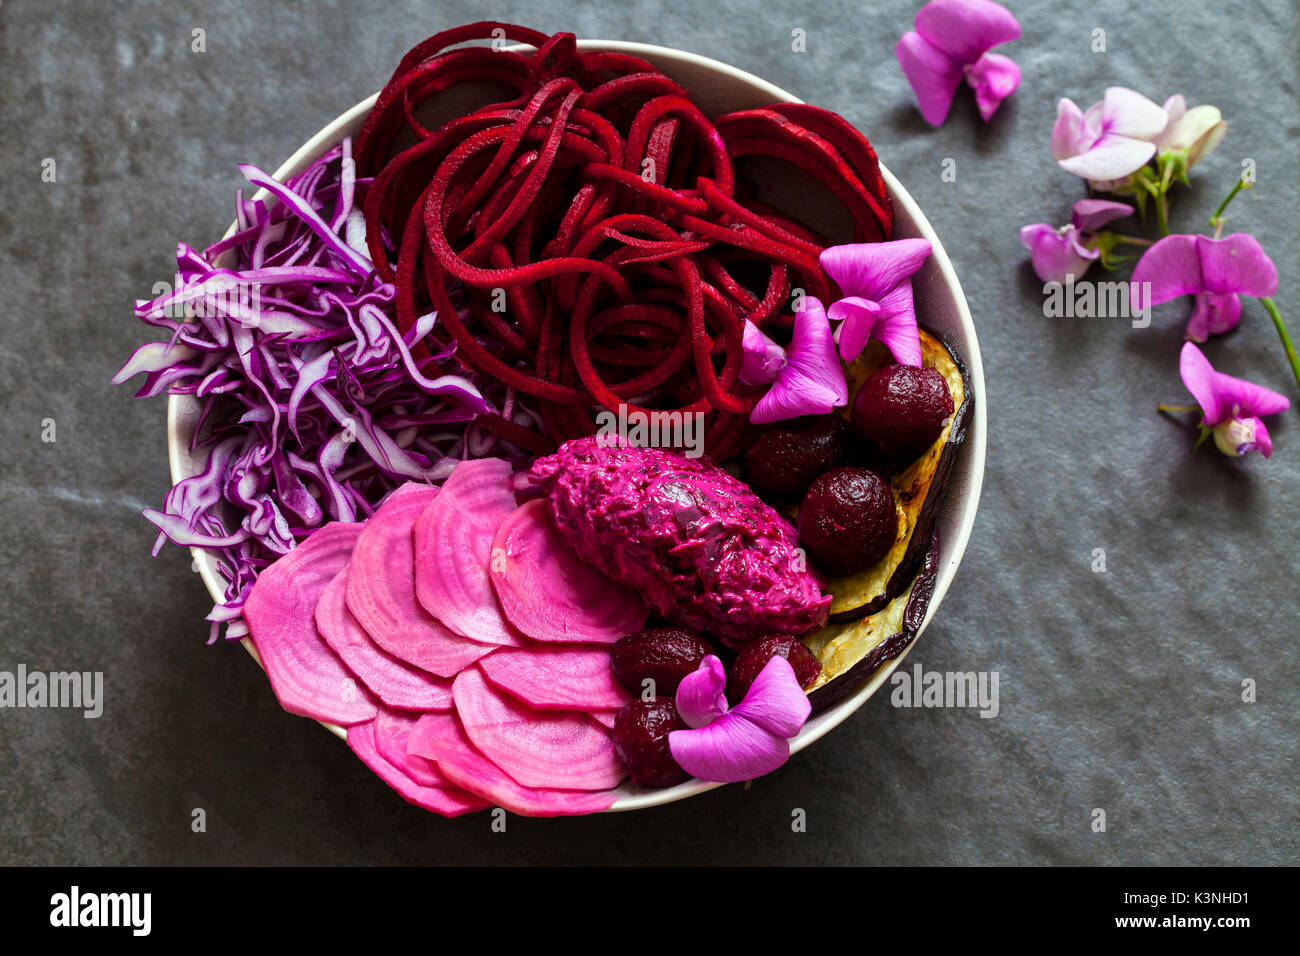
[{"x": 312, "y": 406}]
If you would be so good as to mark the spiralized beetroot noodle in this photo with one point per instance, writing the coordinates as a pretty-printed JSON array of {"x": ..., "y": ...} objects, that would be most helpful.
[{"x": 599, "y": 226}]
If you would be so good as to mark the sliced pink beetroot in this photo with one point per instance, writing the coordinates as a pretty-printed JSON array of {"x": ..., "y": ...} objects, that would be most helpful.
[
  {"x": 551, "y": 594},
  {"x": 563, "y": 750},
  {"x": 392, "y": 731},
  {"x": 381, "y": 590},
  {"x": 441, "y": 738},
  {"x": 306, "y": 675},
  {"x": 453, "y": 549},
  {"x": 450, "y": 801},
  {"x": 557, "y": 677},
  {"x": 394, "y": 682}
]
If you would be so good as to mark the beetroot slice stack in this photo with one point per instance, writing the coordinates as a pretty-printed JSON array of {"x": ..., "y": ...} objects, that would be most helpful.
[
  {"x": 616, "y": 221},
  {"x": 452, "y": 723}
]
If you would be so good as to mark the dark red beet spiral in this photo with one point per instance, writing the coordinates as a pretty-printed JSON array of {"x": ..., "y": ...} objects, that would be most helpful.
[{"x": 608, "y": 214}]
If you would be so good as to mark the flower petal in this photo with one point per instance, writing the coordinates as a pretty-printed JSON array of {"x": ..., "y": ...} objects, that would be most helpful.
[
  {"x": 1079, "y": 244},
  {"x": 1071, "y": 135},
  {"x": 994, "y": 77},
  {"x": 891, "y": 321},
  {"x": 1121, "y": 185},
  {"x": 896, "y": 328},
  {"x": 812, "y": 381},
  {"x": 1128, "y": 113},
  {"x": 762, "y": 359},
  {"x": 1188, "y": 127},
  {"x": 1236, "y": 263},
  {"x": 871, "y": 269},
  {"x": 700, "y": 696},
  {"x": 1239, "y": 398},
  {"x": 966, "y": 29},
  {"x": 1174, "y": 108},
  {"x": 1172, "y": 267},
  {"x": 1110, "y": 157},
  {"x": 1263, "y": 440},
  {"x": 1198, "y": 376},
  {"x": 1207, "y": 143},
  {"x": 857, "y": 317},
  {"x": 932, "y": 74},
  {"x": 1213, "y": 314},
  {"x": 1091, "y": 214},
  {"x": 775, "y": 701},
  {"x": 729, "y": 750},
  {"x": 1056, "y": 254},
  {"x": 793, "y": 397}
]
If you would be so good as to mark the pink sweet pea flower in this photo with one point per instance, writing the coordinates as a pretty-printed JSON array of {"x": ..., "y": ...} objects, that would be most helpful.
[
  {"x": 1230, "y": 406},
  {"x": 806, "y": 378},
  {"x": 951, "y": 43},
  {"x": 751, "y": 739},
  {"x": 1112, "y": 139},
  {"x": 1188, "y": 137},
  {"x": 876, "y": 279},
  {"x": 1216, "y": 271},
  {"x": 1060, "y": 253},
  {"x": 1055, "y": 253}
]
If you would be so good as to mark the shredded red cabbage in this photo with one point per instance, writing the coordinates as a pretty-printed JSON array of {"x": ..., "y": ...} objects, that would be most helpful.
[{"x": 313, "y": 405}]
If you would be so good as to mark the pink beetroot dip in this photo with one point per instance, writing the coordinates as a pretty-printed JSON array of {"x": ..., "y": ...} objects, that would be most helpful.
[{"x": 697, "y": 544}]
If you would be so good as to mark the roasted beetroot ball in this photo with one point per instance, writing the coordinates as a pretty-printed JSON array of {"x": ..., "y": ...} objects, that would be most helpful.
[
  {"x": 785, "y": 460},
  {"x": 901, "y": 410},
  {"x": 754, "y": 657},
  {"x": 847, "y": 520},
  {"x": 641, "y": 741},
  {"x": 662, "y": 654}
]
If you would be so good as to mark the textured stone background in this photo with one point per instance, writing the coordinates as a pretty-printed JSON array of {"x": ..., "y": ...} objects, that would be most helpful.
[{"x": 1118, "y": 690}]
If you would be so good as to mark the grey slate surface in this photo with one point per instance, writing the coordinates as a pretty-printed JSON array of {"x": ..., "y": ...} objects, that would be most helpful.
[{"x": 1119, "y": 691}]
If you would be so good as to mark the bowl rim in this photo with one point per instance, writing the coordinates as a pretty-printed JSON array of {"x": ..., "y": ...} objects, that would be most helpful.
[{"x": 180, "y": 412}]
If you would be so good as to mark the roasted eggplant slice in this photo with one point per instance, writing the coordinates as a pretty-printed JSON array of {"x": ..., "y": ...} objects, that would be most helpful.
[
  {"x": 919, "y": 488},
  {"x": 850, "y": 653}
]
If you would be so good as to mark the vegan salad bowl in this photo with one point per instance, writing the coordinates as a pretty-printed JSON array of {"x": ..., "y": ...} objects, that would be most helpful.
[{"x": 421, "y": 467}]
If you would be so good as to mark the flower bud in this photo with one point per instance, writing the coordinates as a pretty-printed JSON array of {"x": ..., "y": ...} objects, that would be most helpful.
[
  {"x": 1236, "y": 436},
  {"x": 1195, "y": 132}
]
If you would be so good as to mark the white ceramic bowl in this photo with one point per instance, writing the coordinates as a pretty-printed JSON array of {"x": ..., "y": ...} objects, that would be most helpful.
[{"x": 940, "y": 305}]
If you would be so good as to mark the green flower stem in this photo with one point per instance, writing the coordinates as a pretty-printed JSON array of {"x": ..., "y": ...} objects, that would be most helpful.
[
  {"x": 1162, "y": 214},
  {"x": 1177, "y": 408},
  {"x": 1157, "y": 190},
  {"x": 1166, "y": 176},
  {"x": 1287, "y": 345},
  {"x": 1133, "y": 240},
  {"x": 1162, "y": 198},
  {"x": 1217, "y": 219}
]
